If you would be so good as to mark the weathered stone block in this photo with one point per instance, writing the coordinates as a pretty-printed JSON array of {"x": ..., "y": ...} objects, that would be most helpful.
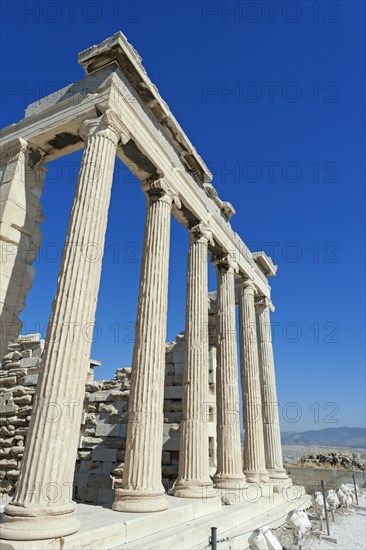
[
  {"x": 173, "y": 392},
  {"x": 101, "y": 454},
  {"x": 84, "y": 454},
  {"x": 8, "y": 464},
  {"x": 93, "y": 387},
  {"x": 178, "y": 380},
  {"x": 7, "y": 431},
  {"x": 178, "y": 356},
  {"x": 13, "y": 474},
  {"x": 81, "y": 479},
  {"x": 107, "y": 467},
  {"x": 101, "y": 396},
  {"x": 25, "y": 411},
  {"x": 171, "y": 444},
  {"x": 165, "y": 458},
  {"x": 172, "y": 405},
  {"x": 91, "y": 441},
  {"x": 115, "y": 443},
  {"x": 18, "y": 391},
  {"x": 30, "y": 380},
  {"x": 7, "y": 442},
  {"x": 6, "y": 486},
  {"x": 5, "y": 452},
  {"x": 109, "y": 408},
  {"x": 170, "y": 472},
  {"x": 171, "y": 430},
  {"x": 29, "y": 362},
  {"x": 169, "y": 380},
  {"x": 17, "y": 452},
  {"x": 95, "y": 467},
  {"x": 9, "y": 381},
  {"x": 107, "y": 430},
  {"x": 105, "y": 496},
  {"x": 87, "y": 494},
  {"x": 23, "y": 400},
  {"x": 99, "y": 480},
  {"x": 120, "y": 456},
  {"x": 179, "y": 369}
]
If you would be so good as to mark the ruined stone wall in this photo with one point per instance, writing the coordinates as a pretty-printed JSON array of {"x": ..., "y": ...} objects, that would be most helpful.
[
  {"x": 21, "y": 185},
  {"x": 310, "y": 478},
  {"x": 102, "y": 444},
  {"x": 18, "y": 379}
]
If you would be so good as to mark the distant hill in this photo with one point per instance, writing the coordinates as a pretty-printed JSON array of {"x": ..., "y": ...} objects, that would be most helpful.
[{"x": 337, "y": 437}]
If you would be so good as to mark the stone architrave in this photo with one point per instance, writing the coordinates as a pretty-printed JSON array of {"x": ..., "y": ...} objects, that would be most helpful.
[
  {"x": 229, "y": 473},
  {"x": 271, "y": 424},
  {"x": 21, "y": 175},
  {"x": 193, "y": 477},
  {"x": 42, "y": 506},
  {"x": 142, "y": 489},
  {"x": 254, "y": 455}
]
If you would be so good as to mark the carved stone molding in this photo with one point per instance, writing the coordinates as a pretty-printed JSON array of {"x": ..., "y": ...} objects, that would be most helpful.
[
  {"x": 10, "y": 152},
  {"x": 12, "y": 149},
  {"x": 262, "y": 302},
  {"x": 245, "y": 283},
  {"x": 108, "y": 121},
  {"x": 202, "y": 232},
  {"x": 224, "y": 262},
  {"x": 159, "y": 188}
]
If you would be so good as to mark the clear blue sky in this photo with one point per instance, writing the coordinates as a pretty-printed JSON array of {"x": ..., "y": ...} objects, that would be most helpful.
[{"x": 272, "y": 98}]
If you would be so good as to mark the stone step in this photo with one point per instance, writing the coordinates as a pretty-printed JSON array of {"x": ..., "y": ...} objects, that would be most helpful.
[
  {"x": 236, "y": 521},
  {"x": 185, "y": 525}
]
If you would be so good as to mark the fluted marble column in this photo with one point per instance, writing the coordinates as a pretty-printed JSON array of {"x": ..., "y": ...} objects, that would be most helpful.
[
  {"x": 229, "y": 474},
  {"x": 193, "y": 477},
  {"x": 42, "y": 506},
  {"x": 254, "y": 454},
  {"x": 142, "y": 489},
  {"x": 271, "y": 425}
]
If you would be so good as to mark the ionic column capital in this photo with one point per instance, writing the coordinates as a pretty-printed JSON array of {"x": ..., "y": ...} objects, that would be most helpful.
[
  {"x": 110, "y": 123},
  {"x": 246, "y": 284},
  {"x": 225, "y": 262},
  {"x": 262, "y": 302},
  {"x": 160, "y": 189},
  {"x": 201, "y": 233}
]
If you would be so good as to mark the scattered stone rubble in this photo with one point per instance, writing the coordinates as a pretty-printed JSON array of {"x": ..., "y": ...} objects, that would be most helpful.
[
  {"x": 103, "y": 432},
  {"x": 336, "y": 460}
]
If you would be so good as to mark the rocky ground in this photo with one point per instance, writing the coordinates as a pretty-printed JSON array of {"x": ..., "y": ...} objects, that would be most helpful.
[
  {"x": 292, "y": 454},
  {"x": 348, "y": 530}
]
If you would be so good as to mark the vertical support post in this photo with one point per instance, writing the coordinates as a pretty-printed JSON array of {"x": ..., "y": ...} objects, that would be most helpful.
[
  {"x": 270, "y": 416},
  {"x": 254, "y": 454},
  {"x": 325, "y": 506},
  {"x": 142, "y": 489},
  {"x": 193, "y": 478},
  {"x": 42, "y": 506},
  {"x": 229, "y": 473},
  {"x": 213, "y": 538},
  {"x": 355, "y": 486}
]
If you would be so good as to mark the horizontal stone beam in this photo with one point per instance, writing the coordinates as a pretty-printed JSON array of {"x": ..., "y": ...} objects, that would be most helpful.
[{"x": 53, "y": 124}]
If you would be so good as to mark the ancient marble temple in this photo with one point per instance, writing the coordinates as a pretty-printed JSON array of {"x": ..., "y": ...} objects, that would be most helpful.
[{"x": 116, "y": 111}]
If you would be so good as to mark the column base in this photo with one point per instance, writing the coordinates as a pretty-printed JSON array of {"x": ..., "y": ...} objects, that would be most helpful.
[
  {"x": 23, "y": 524},
  {"x": 257, "y": 477},
  {"x": 280, "y": 480},
  {"x": 191, "y": 488},
  {"x": 139, "y": 501},
  {"x": 222, "y": 481},
  {"x": 278, "y": 474},
  {"x": 252, "y": 477}
]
